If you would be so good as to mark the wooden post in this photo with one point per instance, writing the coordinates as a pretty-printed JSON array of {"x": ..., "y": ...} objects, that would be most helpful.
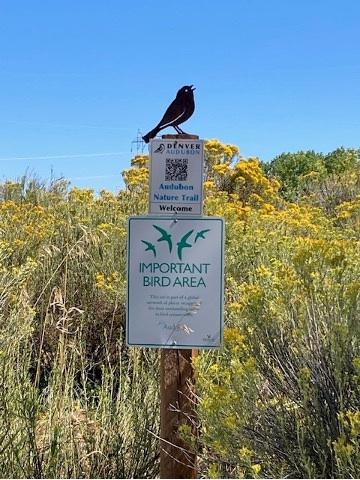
[{"x": 177, "y": 408}]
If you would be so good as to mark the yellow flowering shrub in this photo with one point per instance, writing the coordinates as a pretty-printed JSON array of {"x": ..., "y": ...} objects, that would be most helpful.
[
  {"x": 252, "y": 185},
  {"x": 348, "y": 214},
  {"x": 226, "y": 380},
  {"x": 292, "y": 289}
]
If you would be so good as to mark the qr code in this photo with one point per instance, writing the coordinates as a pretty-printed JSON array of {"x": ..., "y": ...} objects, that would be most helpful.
[{"x": 176, "y": 169}]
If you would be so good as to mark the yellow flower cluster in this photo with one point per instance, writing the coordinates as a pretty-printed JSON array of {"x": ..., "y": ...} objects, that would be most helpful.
[
  {"x": 80, "y": 195},
  {"x": 107, "y": 282},
  {"x": 218, "y": 152},
  {"x": 222, "y": 168},
  {"x": 30, "y": 224},
  {"x": 136, "y": 178}
]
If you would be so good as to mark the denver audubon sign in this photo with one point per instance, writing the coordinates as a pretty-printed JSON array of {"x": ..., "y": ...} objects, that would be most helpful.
[{"x": 176, "y": 177}]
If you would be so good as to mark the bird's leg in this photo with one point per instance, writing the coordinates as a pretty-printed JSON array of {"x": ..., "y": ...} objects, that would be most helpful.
[{"x": 178, "y": 129}]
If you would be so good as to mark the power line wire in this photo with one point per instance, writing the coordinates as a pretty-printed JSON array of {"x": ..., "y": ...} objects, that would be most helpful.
[
  {"x": 50, "y": 157},
  {"x": 65, "y": 125}
]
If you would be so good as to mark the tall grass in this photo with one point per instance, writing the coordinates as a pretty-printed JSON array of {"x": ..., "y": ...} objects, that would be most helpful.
[{"x": 74, "y": 401}]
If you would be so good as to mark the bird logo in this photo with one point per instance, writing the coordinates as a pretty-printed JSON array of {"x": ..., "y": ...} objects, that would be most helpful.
[
  {"x": 160, "y": 149},
  {"x": 178, "y": 112},
  {"x": 201, "y": 234},
  {"x": 165, "y": 237},
  {"x": 150, "y": 247},
  {"x": 183, "y": 244}
]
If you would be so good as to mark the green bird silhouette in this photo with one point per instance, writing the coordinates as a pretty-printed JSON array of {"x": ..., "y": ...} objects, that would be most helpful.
[
  {"x": 149, "y": 246},
  {"x": 183, "y": 244},
  {"x": 166, "y": 237},
  {"x": 201, "y": 234}
]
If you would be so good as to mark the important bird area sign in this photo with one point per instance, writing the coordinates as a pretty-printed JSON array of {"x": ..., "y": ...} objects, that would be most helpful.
[
  {"x": 176, "y": 176},
  {"x": 175, "y": 282}
]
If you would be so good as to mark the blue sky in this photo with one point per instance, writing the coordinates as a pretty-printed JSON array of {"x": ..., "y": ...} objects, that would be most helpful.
[{"x": 79, "y": 79}]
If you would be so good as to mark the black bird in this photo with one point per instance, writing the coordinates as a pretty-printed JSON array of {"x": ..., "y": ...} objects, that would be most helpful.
[{"x": 178, "y": 112}]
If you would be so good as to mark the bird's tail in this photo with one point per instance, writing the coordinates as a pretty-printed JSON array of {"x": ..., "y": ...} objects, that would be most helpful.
[{"x": 151, "y": 134}]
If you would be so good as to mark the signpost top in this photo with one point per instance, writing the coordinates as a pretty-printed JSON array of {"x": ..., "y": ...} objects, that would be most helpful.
[{"x": 180, "y": 136}]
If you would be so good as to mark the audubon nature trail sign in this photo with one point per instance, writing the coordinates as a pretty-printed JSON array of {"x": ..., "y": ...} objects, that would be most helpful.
[
  {"x": 175, "y": 282},
  {"x": 176, "y": 177}
]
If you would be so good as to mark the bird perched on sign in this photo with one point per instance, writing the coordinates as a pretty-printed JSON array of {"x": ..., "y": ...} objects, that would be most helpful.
[{"x": 178, "y": 112}]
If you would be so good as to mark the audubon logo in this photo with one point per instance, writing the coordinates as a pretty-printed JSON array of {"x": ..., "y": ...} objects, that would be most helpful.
[{"x": 160, "y": 148}]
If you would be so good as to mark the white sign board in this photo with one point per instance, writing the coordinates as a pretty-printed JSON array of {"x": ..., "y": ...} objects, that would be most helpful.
[
  {"x": 175, "y": 282},
  {"x": 176, "y": 176}
]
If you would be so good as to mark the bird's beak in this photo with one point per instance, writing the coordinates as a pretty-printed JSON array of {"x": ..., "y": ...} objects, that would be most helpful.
[{"x": 192, "y": 89}]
